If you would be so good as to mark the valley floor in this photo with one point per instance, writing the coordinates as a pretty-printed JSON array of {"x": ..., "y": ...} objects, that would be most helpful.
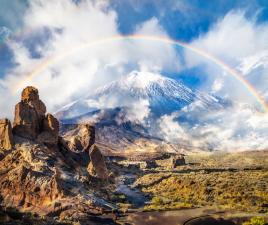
[{"x": 213, "y": 186}]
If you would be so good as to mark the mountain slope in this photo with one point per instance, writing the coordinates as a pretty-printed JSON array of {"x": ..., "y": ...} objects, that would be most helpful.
[
  {"x": 127, "y": 112},
  {"x": 161, "y": 94}
]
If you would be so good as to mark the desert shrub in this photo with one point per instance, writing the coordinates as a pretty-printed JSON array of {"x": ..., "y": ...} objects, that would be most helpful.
[
  {"x": 255, "y": 221},
  {"x": 157, "y": 201}
]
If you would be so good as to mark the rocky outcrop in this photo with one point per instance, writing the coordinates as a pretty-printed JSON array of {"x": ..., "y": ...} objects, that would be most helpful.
[
  {"x": 48, "y": 174},
  {"x": 80, "y": 138},
  {"x": 26, "y": 123},
  {"x": 51, "y": 125},
  {"x": 25, "y": 187},
  {"x": 31, "y": 121},
  {"x": 29, "y": 178},
  {"x": 149, "y": 164},
  {"x": 29, "y": 114},
  {"x": 176, "y": 160},
  {"x": 97, "y": 166},
  {"x": 30, "y": 96},
  {"x": 6, "y": 136},
  {"x": 50, "y": 130}
]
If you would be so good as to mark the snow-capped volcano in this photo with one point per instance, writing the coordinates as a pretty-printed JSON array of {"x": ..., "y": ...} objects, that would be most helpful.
[{"x": 161, "y": 94}]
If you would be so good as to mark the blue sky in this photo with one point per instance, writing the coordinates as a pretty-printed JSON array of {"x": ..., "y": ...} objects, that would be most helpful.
[{"x": 183, "y": 20}]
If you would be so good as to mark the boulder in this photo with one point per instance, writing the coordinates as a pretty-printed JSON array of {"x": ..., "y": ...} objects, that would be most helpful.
[
  {"x": 176, "y": 160},
  {"x": 80, "y": 138},
  {"x": 149, "y": 165},
  {"x": 50, "y": 130},
  {"x": 6, "y": 136},
  {"x": 51, "y": 125},
  {"x": 97, "y": 166},
  {"x": 29, "y": 114}
]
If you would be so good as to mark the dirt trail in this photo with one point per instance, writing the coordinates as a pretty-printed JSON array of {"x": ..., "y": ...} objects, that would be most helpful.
[{"x": 198, "y": 216}]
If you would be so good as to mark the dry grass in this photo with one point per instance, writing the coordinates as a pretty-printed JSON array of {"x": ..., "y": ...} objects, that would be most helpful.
[{"x": 240, "y": 189}]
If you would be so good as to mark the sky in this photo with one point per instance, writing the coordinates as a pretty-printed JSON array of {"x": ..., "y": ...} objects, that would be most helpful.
[{"x": 34, "y": 32}]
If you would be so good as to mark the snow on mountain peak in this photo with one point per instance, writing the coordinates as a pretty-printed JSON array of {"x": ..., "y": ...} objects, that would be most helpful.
[
  {"x": 141, "y": 79},
  {"x": 162, "y": 95}
]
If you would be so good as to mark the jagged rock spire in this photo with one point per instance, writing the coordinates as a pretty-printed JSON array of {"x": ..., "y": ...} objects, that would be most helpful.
[
  {"x": 6, "y": 136},
  {"x": 29, "y": 114}
]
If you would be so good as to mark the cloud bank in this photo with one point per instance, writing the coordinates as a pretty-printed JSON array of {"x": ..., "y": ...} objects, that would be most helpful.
[
  {"x": 53, "y": 28},
  {"x": 242, "y": 44},
  {"x": 237, "y": 128}
]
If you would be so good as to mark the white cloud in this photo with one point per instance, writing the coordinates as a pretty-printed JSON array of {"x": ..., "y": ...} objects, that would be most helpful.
[
  {"x": 237, "y": 128},
  {"x": 69, "y": 26},
  {"x": 217, "y": 85},
  {"x": 171, "y": 130},
  {"x": 136, "y": 112},
  {"x": 154, "y": 56},
  {"x": 250, "y": 63},
  {"x": 240, "y": 43}
]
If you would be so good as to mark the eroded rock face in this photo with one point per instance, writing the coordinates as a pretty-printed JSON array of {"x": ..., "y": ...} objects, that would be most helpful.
[
  {"x": 47, "y": 138},
  {"x": 38, "y": 178},
  {"x": 81, "y": 138},
  {"x": 24, "y": 187},
  {"x": 29, "y": 114},
  {"x": 27, "y": 180},
  {"x": 51, "y": 124},
  {"x": 6, "y": 136},
  {"x": 44, "y": 175},
  {"x": 97, "y": 166},
  {"x": 31, "y": 121},
  {"x": 50, "y": 130},
  {"x": 30, "y": 96},
  {"x": 26, "y": 123}
]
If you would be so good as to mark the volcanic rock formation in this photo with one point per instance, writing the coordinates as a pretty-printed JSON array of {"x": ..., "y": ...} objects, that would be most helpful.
[
  {"x": 43, "y": 171},
  {"x": 50, "y": 130},
  {"x": 6, "y": 136},
  {"x": 80, "y": 138},
  {"x": 29, "y": 114},
  {"x": 97, "y": 166}
]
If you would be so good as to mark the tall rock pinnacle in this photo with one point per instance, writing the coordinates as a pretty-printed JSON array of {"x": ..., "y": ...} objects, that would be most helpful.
[
  {"x": 6, "y": 136},
  {"x": 31, "y": 121},
  {"x": 29, "y": 114}
]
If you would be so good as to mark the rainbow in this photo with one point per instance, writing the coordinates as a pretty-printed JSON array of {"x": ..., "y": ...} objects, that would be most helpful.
[{"x": 239, "y": 77}]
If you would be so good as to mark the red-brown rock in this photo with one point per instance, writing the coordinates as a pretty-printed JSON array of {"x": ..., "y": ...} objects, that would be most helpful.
[
  {"x": 81, "y": 138},
  {"x": 29, "y": 114},
  {"x": 26, "y": 122},
  {"x": 97, "y": 166},
  {"x": 51, "y": 124},
  {"x": 50, "y": 130},
  {"x": 6, "y": 136},
  {"x": 30, "y": 96},
  {"x": 27, "y": 181}
]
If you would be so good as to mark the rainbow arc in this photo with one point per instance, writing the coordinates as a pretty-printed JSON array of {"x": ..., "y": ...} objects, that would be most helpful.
[{"x": 239, "y": 77}]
